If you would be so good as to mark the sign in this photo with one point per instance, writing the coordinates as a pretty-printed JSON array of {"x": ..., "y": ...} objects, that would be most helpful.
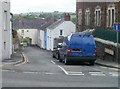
[{"x": 117, "y": 26}]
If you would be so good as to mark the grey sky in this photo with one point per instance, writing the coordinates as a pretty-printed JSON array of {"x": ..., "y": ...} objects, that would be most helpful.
[{"x": 24, "y": 6}]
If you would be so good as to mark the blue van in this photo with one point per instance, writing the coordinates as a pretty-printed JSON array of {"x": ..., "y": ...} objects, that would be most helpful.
[{"x": 78, "y": 47}]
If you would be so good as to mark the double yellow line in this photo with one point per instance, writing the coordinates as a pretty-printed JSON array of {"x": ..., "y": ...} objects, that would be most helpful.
[{"x": 25, "y": 60}]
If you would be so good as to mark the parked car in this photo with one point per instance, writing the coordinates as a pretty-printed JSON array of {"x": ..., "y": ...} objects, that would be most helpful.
[
  {"x": 55, "y": 52},
  {"x": 78, "y": 47}
]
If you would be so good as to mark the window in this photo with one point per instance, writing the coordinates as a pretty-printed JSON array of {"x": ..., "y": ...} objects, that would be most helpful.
[
  {"x": 110, "y": 16},
  {"x": 61, "y": 32},
  {"x": 87, "y": 17},
  {"x": 5, "y": 20},
  {"x": 4, "y": 45},
  {"x": 97, "y": 16},
  {"x": 80, "y": 17},
  {"x": 22, "y": 33}
]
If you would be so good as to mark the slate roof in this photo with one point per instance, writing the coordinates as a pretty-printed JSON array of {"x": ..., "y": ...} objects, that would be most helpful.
[
  {"x": 54, "y": 25},
  {"x": 47, "y": 24},
  {"x": 28, "y": 23}
]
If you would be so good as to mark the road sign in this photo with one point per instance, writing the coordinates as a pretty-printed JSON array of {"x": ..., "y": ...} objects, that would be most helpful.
[{"x": 117, "y": 26}]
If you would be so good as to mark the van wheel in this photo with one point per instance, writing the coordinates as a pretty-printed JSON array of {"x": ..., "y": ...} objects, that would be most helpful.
[
  {"x": 92, "y": 63},
  {"x": 60, "y": 60},
  {"x": 58, "y": 57},
  {"x": 66, "y": 61},
  {"x": 53, "y": 56}
]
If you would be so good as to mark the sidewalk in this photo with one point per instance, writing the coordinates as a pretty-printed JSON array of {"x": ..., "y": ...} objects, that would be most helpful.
[
  {"x": 16, "y": 57},
  {"x": 108, "y": 63}
]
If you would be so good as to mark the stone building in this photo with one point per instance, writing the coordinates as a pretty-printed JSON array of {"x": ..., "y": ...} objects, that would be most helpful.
[{"x": 101, "y": 17}]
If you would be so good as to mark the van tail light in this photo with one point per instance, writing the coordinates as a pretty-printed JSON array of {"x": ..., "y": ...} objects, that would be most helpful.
[
  {"x": 58, "y": 50},
  {"x": 68, "y": 51},
  {"x": 95, "y": 52}
]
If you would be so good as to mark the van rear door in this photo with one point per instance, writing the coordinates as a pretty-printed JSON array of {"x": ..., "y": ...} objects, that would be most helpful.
[
  {"x": 88, "y": 45},
  {"x": 76, "y": 46}
]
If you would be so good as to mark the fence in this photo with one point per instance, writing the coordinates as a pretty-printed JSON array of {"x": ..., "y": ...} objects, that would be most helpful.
[{"x": 107, "y": 34}]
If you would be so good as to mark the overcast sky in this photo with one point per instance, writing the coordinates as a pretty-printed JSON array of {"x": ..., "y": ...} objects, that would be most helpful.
[{"x": 24, "y": 6}]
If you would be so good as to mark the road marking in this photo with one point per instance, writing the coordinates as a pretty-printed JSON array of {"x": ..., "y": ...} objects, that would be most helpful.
[
  {"x": 30, "y": 72},
  {"x": 5, "y": 70},
  {"x": 114, "y": 74},
  {"x": 104, "y": 67},
  {"x": 97, "y": 73},
  {"x": 113, "y": 69},
  {"x": 53, "y": 62},
  {"x": 63, "y": 70},
  {"x": 70, "y": 72},
  {"x": 75, "y": 74},
  {"x": 25, "y": 60},
  {"x": 1, "y": 65},
  {"x": 50, "y": 73}
]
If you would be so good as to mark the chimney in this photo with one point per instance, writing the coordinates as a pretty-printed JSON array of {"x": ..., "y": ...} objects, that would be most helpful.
[{"x": 66, "y": 16}]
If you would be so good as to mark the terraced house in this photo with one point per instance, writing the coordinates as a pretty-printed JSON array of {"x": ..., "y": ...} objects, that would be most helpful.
[
  {"x": 5, "y": 30},
  {"x": 101, "y": 17}
]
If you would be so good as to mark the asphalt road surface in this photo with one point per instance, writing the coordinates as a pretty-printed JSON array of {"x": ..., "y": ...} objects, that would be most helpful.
[{"x": 41, "y": 70}]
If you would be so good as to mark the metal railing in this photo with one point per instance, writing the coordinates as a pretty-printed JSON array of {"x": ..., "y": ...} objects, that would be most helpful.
[{"x": 106, "y": 34}]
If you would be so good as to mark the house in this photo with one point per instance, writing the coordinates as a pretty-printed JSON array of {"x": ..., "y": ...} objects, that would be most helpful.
[
  {"x": 62, "y": 27},
  {"x": 28, "y": 28},
  {"x": 101, "y": 17},
  {"x": 5, "y": 30},
  {"x": 30, "y": 34},
  {"x": 42, "y": 34}
]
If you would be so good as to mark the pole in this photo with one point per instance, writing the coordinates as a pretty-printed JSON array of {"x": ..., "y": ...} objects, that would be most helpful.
[{"x": 117, "y": 45}]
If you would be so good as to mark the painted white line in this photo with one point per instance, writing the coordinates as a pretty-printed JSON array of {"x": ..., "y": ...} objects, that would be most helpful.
[
  {"x": 113, "y": 69},
  {"x": 113, "y": 74},
  {"x": 103, "y": 67},
  {"x": 53, "y": 62},
  {"x": 49, "y": 73},
  {"x": 1, "y": 65},
  {"x": 75, "y": 74},
  {"x": 98, "y": 74},
  {"x": 63, "y": 70},
  {"x": 30, "y": 72},
  {"x": 72, "y": 72},
  {"x": 5, "y": 70}
]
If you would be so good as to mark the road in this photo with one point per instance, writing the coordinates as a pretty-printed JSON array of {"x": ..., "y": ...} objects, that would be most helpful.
[{"x": 41, "y": 70}]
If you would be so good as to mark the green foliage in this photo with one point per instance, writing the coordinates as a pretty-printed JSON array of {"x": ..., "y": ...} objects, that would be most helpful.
[
  {"x": 34, "y": 15},
  {"x": 25, "y": 40},
  {"x": 14, "y": 33}
]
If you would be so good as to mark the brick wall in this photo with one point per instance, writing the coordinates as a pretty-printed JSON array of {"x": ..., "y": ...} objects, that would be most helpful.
[
  {"x": 92, "y": 6},
  {"x": 103, "y": 5}
]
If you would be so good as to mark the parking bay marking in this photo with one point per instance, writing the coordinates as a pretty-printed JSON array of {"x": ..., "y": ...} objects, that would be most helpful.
[
  {"x": 97, "y": 73},
  {"x": 70, "y": 72},
  {"x": 53, "y": 62}
]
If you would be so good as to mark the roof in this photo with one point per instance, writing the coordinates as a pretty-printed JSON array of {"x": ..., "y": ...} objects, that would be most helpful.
[
  {"x": 47, "y": 24},
  {"x": 28, "y": 23},
  {"x": 54, "y": 25}
]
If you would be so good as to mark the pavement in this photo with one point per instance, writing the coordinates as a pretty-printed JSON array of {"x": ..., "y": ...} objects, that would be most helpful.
[
  {"x": 107, "y": 63},
  {"x": 18, "y": 57}
]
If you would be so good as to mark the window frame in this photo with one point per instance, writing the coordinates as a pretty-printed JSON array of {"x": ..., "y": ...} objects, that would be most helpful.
[
  {"x": 98, "y": 16},
  {"x": 87, "y": 17},
  {"x": 110, "y": 19},
  {"x": 5, "y": 22}
]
